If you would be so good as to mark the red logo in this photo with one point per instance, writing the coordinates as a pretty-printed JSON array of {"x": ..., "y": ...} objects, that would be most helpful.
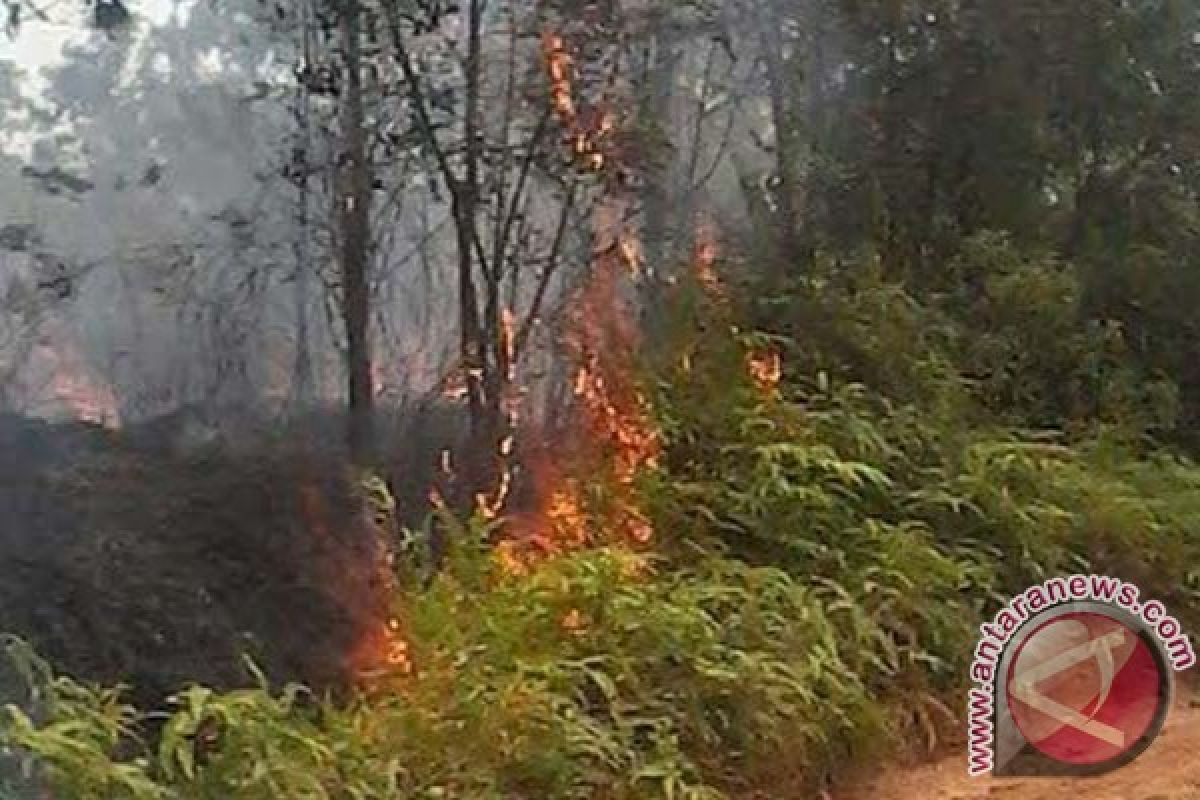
[{"x": 1086, "y": 690}]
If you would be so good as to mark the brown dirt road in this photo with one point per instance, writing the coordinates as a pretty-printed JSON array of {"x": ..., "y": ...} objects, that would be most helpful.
[{"x": 1169, "y": 770}]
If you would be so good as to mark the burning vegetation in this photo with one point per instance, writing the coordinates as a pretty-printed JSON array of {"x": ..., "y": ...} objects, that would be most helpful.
[
  {"x": 765, "y": 369},
  {"x": 578, "y": 481},
  {"x": 587, "y": 129},
  {"x": 609, "y": 436}
]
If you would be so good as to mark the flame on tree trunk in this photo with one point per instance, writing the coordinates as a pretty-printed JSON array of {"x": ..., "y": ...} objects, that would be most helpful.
[
  {"x": 610, "y": 437},
  {"x": 490, "y": 342}
]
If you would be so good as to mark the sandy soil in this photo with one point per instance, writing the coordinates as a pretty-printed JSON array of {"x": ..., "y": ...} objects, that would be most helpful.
[{"x": 1169, "y": 770}]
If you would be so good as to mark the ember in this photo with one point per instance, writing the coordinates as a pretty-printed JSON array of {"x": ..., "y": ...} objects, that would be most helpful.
[
  {"x": 766, "y": 370},
  {"x": 587, "y": 130}
]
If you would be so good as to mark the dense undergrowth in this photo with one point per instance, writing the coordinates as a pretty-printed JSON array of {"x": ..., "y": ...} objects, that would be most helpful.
[{"x": 827, "y": 540}]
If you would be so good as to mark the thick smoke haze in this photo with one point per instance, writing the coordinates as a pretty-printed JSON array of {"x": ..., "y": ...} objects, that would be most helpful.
[{"x": 146, "y": 181}]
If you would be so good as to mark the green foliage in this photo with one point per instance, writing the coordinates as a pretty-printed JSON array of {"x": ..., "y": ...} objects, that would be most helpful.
[
  {"x": 904, "y": 459},
  {"x": 77, "y": 738},
  {"x": 826, "y": 546},
  {"x": 663, "y": 686},
  {"x": 985, "y": 119}
]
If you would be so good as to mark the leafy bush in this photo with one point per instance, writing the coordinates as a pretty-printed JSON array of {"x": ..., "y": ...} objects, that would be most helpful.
[{"x": 594, "y": 677}]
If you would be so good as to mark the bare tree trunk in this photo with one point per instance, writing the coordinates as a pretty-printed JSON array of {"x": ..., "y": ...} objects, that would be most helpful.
[
  {"x": 354, "y": 209},
  {"x": 818, "y": 127},
  {"x": 466, "y": 207},
  {"x": 787, "y": 155},
  {"x": 302, "y": 371},
  {"x": 660, "y": 74}
]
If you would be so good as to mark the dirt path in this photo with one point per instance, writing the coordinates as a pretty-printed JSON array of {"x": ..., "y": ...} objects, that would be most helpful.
[{"x": 1169, "y": 770}]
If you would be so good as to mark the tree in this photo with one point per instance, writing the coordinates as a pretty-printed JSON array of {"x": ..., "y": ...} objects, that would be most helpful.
[
  {"x": 354, "y": 202},
  {"x": 499, "y": 164}
]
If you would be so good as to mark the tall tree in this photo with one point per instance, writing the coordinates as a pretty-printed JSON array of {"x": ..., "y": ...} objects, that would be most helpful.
[{"x": 354, "y": 208}]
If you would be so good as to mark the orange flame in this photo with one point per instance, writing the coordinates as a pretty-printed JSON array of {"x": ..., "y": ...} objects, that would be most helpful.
[
  {"x": 74, "y": 387},
  {"x": 614, "y": 438},
  {"x": 559, "y": 65},
  {"x": 363, "y": 584},
  {"x": 765, "y": 369},
  {"x": 587, "y": 131},
  {"x": 617, "y": 439},
  {"x": 381, "y": 652},
  {"x": 490, "y": 507},
  {"x": 704, "y": 261}
]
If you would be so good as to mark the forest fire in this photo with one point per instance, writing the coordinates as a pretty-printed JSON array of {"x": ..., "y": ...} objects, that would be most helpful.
[
  {"x": 764, "y": 366},
  {"x": 765, "y": 369},
  {"x": 574, "y": 623},
  {"x": 618, "y": 438},
  {"x": 510, "y": 407},
  {"x": 588, "y": 398},
  {"x": 629, "y": 247},
  {"x": 612, "y": 437},
  {"x": 558, "y": 66},
  {"x": 381, "y": 652},
  {"x": 617, "y": 419},
  {"x": 587, "y": 130},
  {"x": 384, "y": 649}
]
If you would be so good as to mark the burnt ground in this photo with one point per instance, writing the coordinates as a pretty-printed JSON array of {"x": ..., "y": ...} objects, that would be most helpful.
[{"x": 122, "y": 562}]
